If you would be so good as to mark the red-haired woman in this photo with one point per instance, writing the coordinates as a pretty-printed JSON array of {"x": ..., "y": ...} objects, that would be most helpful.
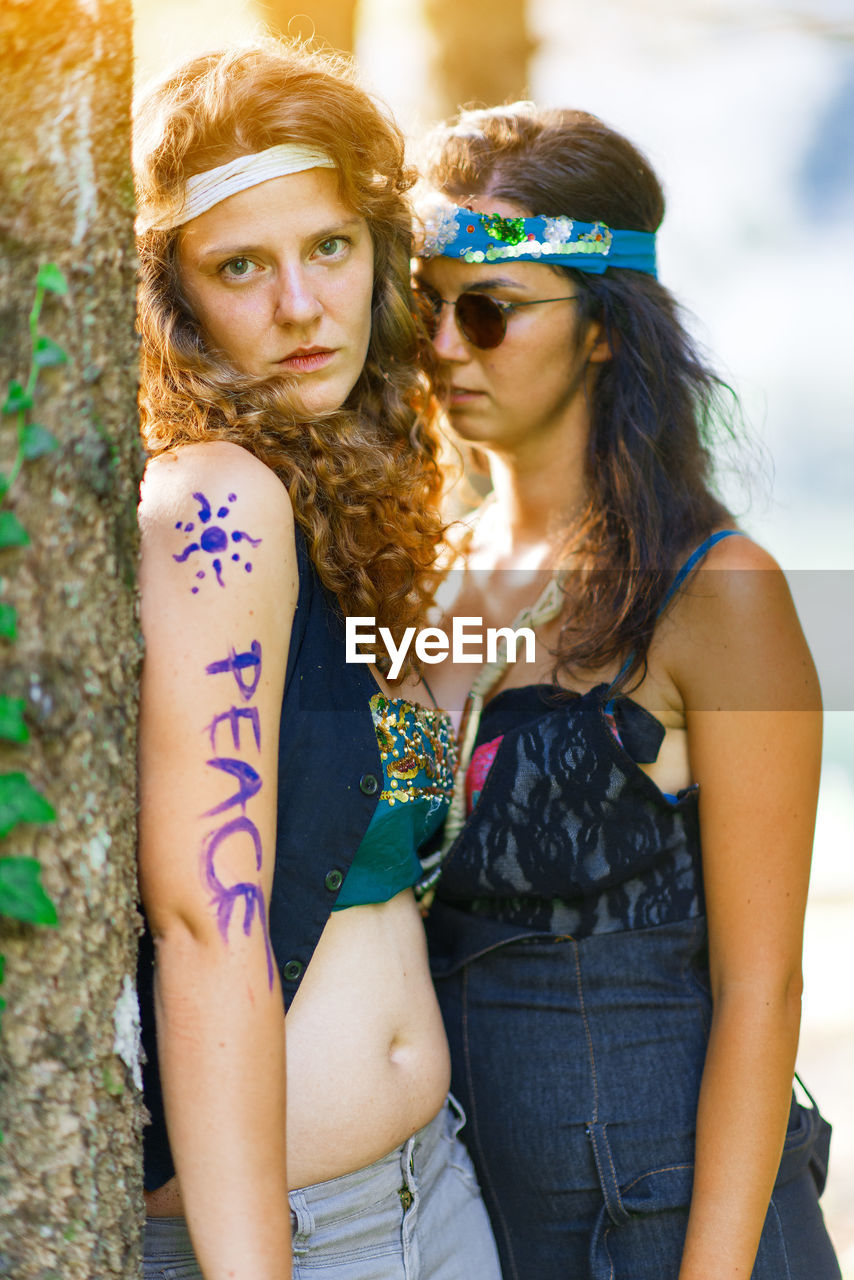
[
  {"x": 616, "y": 939},
  {"x": 285, "y": 791}
]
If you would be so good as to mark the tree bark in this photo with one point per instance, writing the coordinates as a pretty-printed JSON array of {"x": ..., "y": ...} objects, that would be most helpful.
[
  {"x": 70, "y": 1188},
  {"x": 481, "y": 56}
]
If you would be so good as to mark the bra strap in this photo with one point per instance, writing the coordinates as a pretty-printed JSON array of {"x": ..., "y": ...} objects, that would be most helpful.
[
  {"x": 687, "y": 568},
  {"x": 693, "y": 560}
]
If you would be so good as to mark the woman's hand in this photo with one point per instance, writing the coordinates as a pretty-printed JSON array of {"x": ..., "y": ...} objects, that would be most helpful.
[
  {"x": 754, "y": 730},
  {"x": 219, "y": 585}
]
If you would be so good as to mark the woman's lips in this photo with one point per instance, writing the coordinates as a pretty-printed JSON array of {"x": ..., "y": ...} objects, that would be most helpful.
[
  {"x": 306, "y": 360},
  {"x": 458, "y": 396}
]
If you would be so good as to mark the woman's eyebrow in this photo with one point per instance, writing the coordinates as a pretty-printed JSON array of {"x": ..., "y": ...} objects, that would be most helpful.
[
  {"x": 494, "y": 282},
  {"x": 344, "y": 224},
  {"x": 228, "y": 251},
  {"x": 479, "y": 286},
  {"x": 238, "y": 249}
]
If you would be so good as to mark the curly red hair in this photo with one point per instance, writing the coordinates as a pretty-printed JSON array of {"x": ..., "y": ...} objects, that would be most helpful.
[{"x": 364, "y": 480}]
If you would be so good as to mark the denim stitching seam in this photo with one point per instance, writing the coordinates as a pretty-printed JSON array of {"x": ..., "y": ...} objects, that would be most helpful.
[
  {"x": 612, "y": 1273},
  {"x": 773, "y": 1206},
  {"x": 475, "y": 1128},
  {"x": 668, "y": 1168},
  {"x": 613, "y": 1170},
  {"x": 610, "y": 1189},
  {"x": 587, "y": 1033}
]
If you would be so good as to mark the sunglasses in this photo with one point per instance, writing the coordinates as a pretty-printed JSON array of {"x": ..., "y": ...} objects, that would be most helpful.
[{"x": 480, "y": 318}]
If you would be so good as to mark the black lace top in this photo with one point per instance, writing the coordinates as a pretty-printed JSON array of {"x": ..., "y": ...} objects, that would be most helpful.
[{"x": 568, "y": 835}]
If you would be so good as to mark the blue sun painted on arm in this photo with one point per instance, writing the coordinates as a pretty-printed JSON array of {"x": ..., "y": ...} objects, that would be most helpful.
[{"x": 214, "y": 540}]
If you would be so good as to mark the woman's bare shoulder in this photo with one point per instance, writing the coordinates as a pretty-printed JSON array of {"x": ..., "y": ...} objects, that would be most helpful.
[
  {"x": 733, "y": 634},
  {"x": 230, "y": 472},
  {"x": 735, "y": 576},
  {"x": 214, "y": 514},
  {"x": 738, "y": 552}
]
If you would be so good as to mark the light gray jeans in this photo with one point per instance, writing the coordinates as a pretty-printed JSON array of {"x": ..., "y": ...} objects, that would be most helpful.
[{"x": 414, "y": 1215}]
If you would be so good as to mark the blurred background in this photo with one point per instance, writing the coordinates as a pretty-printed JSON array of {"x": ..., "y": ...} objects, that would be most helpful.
[{"x": 746, "y": 109}]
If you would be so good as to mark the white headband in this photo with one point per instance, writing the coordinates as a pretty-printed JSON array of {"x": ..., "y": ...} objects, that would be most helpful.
[{"x": 204, "y": 190}]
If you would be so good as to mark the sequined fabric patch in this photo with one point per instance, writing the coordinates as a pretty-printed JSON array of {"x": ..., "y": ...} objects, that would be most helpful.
[{"x": 417, "y": 749}]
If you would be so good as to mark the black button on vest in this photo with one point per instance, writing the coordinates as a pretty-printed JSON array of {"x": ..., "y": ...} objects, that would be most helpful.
[{"x": 326, "y": 739}]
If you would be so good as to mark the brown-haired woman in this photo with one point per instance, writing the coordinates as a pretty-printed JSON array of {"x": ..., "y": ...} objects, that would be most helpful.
[
  {"x": 293, "y": 481},
  {"x": 616, "y": 938}
]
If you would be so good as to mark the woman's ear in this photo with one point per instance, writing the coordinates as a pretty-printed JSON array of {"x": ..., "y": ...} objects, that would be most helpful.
[{"x": 599, "y": 349}]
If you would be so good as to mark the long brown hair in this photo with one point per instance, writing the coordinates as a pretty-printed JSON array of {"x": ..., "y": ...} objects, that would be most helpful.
[
  {"x": 654, "y": 404},
  {"x": 364, "y": 480}
]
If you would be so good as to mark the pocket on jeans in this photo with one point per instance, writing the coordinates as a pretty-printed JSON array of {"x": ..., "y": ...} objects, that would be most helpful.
[
  {"x": 807, "y": 1143},
  {"x": 183, "y": 1271},
  {"x": 457, "y": 1156}
]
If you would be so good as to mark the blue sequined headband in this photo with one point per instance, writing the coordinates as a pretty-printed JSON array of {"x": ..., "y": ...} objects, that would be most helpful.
[{"x": 452, "y": 232}]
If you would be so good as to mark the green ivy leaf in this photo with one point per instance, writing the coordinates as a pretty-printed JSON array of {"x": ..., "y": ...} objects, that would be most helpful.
[
  {"x": 4, "y": 486},
  {"x": 114, "y": 1086},
  {"x": 8, "y": 621},
  {"x": 21, "y": 892},
  {"x": 20, "y": 802},
  {"x": 12, "y": 532},
  {"x": 13, "y": 727},
  {"x": 17, "y": 399},
  {"x": 37, "y": 441},
  {"x": 51, "y": 279},
  {"x": 47, "y": 353}
]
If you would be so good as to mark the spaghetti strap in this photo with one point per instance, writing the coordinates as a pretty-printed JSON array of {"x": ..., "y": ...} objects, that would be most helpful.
[
  {"x": 693, "y": 560},
  {"x": 430, "y": 691},
  {"x": 682, "y": 573}
]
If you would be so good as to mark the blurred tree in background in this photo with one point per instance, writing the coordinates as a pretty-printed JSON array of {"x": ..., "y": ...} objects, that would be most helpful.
[
  {"x": 332, "y": 22},
  {"x": 480, "y": 48},
  {"x": 481, "y": 52}
]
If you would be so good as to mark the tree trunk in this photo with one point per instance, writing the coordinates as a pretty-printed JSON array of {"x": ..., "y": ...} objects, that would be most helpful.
[
  {"x": 70, "y": 1188},
  {"x": 330, "y": 21},
  {"x": 482, "y": 51}
]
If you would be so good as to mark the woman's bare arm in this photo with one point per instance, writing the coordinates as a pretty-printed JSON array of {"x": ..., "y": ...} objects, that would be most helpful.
[
  {"x": 219, "y": 584},
  {"x": 754, "y": 729}
]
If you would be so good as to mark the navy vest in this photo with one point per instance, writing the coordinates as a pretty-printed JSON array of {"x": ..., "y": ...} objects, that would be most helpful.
[{"x": 330, "y": 776}]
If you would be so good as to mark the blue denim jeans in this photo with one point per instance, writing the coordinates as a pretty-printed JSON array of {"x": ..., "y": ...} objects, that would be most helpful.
[
  {"x": 579, "y": 1066},
  {"x": 417, "y": 1214}
]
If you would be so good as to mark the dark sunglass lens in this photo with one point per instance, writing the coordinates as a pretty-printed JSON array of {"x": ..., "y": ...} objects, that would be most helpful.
[
  {"x": 481, "y": 320},
  {"x": 429, "y": 308}
]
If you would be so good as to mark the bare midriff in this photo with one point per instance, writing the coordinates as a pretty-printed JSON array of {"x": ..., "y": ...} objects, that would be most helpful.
[{"x": 367, "y": 1057}]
